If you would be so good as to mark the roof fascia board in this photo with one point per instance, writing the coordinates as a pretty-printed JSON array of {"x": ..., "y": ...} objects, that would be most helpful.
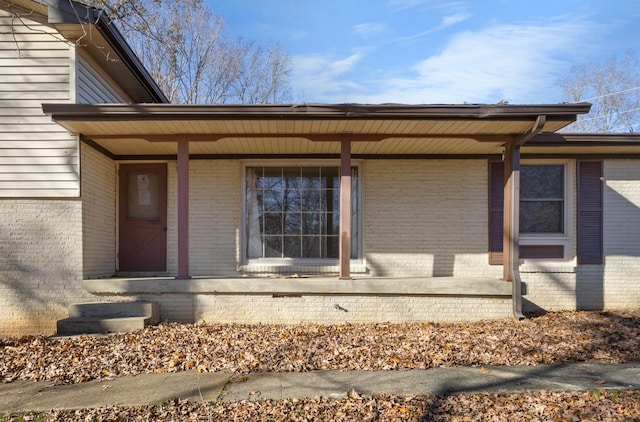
[
  {"x": 471, "y": 110},
  {"x": 584, "y": 139},
  {"x": 117, "y": 41},
  {"x": 115, "y": 112}
]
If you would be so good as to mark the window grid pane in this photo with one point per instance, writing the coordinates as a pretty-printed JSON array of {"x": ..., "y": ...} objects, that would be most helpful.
[
  {"x": 293, "y": 212},
  {"x": 542, "y": 199}
]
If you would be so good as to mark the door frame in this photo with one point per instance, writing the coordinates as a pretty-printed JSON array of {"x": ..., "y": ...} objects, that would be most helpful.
[{"x": 121, "y": 205}]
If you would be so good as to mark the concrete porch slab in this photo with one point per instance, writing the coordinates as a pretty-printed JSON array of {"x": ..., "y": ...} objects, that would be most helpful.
[{"x": 303, "y": 286}]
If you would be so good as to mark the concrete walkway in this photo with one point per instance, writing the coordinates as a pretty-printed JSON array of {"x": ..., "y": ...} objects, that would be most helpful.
[{"x": 21, "y": 396}]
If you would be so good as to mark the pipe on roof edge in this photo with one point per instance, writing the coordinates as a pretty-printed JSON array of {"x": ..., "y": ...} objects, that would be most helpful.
[
  {"x": 516, "y": 282},
  {"x": 541, "y": 120}
]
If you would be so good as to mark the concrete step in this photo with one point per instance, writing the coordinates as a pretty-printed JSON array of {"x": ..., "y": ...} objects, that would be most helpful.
[
  {"x": 114, "y": 310},
  {"x": 108, "y": 317}
]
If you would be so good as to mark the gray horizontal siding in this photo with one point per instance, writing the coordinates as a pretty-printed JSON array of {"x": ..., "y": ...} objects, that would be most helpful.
[
  {"x": 92, "y": 87},
  {"x": 38, "y": 158}
]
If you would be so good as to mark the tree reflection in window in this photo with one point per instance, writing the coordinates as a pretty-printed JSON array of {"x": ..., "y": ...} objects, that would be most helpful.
[
  {"x": 542, "y": 199},
  {"x": 293, "y": 212}
]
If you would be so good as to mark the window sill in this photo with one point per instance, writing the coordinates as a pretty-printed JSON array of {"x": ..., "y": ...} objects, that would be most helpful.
[
  {"x": 548, "y": 266},
  {"x": 299, "y": 267}
]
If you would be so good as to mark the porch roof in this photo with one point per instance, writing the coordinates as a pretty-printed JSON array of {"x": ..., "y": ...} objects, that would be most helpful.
[{"x": 124, "y": 130}]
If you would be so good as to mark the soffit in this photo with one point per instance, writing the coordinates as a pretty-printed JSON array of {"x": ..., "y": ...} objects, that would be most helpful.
[
  {"x": 28, "y": 5},
  {"x": 302, "y": 127},
  {"x": 126, "y": 130},
  {"x": 404, "y": 136},
  {"x": 281, "y": 146}
]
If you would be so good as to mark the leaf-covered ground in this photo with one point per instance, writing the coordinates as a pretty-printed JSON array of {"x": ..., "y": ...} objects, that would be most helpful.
[
  {"x": 593, "y": 405},
  {"x": 551, "y": 338},
  {"x": 554, "y": 337}
]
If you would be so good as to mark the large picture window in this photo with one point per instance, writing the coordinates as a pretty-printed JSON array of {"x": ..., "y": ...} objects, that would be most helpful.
[{"x": 294, "y": 212}]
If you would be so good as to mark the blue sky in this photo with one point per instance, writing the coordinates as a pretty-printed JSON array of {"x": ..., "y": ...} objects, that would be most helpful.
[{"x": 431, "y": 51}]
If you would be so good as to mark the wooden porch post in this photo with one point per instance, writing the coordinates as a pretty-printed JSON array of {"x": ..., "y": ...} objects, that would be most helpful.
[
  {"x": 345, "y": 208},
  {"x": 511, "y": 230},
  {"x": 183, "y": 209}
]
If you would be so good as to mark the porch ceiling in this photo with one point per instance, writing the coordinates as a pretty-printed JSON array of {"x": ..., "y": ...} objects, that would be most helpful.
[
  {"x": 300, "y": 146},
  {"x": 153, "y": 129}
]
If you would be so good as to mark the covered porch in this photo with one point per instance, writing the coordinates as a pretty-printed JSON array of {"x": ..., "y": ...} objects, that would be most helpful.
[{"x": 342, "y": 133}]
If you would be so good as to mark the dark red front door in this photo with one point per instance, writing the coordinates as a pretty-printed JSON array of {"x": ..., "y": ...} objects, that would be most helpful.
[{"x": 143, "y": 217}]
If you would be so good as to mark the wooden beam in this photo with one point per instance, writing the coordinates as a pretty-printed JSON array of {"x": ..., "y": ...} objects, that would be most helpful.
[
  {"x": 511, "y": 228},
  {"x": 345, "y": 209},
  {"x": 157, "y": 138},
  {"x": 183, "y": 209}
]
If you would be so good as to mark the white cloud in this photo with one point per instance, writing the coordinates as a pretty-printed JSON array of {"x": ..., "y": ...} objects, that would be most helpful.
[
  {"x": 317, "y": 77},
  {"x": 460, "y": 14},
  {"x": 370, "y": 29},
  {"x": 340, "y": 66},
  {"x": 405, "y": 4},
  {"x": 512, "y": 62},
  {"x": 449, "y": 20}
]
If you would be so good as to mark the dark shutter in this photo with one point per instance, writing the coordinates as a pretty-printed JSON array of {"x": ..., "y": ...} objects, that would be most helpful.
[
  {"x": 496, "y": 211},
  {"x": 589, "y": 212}
]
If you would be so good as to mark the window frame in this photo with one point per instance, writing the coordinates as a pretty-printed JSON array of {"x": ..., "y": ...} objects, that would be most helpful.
[
  {"x": 298, "y": 262},
  {"x": 569, "y": 191}
]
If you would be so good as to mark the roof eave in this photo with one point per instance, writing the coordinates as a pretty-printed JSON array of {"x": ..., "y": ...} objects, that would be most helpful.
[
  {"x": 117, "y": 41},
  {"x": 585, "y": 139},
  {"x": 310, "y": 111},
  {"x": 64, "y": 12}
]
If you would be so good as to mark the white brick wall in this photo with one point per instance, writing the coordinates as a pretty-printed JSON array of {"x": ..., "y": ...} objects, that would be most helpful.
[
  {"x": 173, "y": 308},
  {"x": 40, "y": 263},
  {"x": 426, "y": 218},
  {"x": 342, "y": 309},
  {"x": 215, "y": 213},
  {"x": 621, "y": 287},
  {"x": 549, "y": 291},
  {"x": 98, "y": 192}
]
